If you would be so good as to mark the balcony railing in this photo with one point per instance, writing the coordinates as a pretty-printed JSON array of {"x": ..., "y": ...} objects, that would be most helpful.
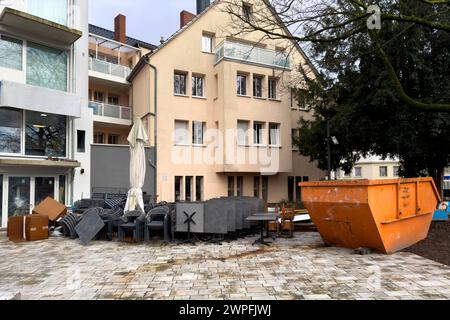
[
  {"x": 109, "y": 68},
  {"x": 111, "y": 111},
  {"x": 249, "y": 53}
]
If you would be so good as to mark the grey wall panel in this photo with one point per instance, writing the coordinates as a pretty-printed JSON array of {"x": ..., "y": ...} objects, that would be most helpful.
[
  {"x": 190, "y": 208},
  {"x": 110, "y": 169},
  {"x": 216, "y": 217}
]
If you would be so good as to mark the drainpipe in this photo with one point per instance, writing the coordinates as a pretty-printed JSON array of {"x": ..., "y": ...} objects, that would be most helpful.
[{"x": 155, "y": 115}]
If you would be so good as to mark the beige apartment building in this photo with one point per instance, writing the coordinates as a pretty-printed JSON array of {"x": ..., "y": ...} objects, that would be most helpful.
[{"x": 220, "y": 110}]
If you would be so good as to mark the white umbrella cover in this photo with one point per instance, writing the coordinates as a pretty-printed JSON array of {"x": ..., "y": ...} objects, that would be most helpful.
[{"x": 137, "y": 139}]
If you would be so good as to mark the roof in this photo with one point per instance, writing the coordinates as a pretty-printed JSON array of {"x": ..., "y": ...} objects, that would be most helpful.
[
  {"x": 105, "y": 33},
  {"x": 145, "y": 58}
]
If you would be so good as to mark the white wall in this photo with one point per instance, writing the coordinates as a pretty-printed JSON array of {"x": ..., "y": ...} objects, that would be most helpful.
[{"x": 81, "y": 181}]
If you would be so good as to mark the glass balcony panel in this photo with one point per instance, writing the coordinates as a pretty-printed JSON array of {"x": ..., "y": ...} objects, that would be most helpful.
[{"x": 109, "y": 68}]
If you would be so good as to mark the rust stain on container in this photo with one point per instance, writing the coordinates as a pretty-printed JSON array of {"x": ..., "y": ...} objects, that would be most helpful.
[{"x": 384, "y": 215}]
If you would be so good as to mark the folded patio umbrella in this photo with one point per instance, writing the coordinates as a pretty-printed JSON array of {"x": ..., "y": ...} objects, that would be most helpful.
[{"x": 137, "y": 139}]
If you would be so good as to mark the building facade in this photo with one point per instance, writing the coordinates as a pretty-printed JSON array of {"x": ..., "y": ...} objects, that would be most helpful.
[
  {"x": 45, "y": 126},
  {"x": 220, "y": 111},
  {"x": 372, "y": 168},
  {"x": 112, "y": 56}
]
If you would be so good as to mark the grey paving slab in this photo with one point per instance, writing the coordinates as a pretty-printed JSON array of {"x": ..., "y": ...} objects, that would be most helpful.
[{"x": 298, "y": 268}]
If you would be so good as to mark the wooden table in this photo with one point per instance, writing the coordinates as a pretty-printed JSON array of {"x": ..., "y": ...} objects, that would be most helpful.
[{"x": 263, "y": 218}]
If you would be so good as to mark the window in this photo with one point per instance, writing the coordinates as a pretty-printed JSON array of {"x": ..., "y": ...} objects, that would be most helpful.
[
  {"x": 181, "y": 133},
  {"x": 197, "y": 86},
  {"x": 257, "y": 86},
  {"x": 113, "y": 100},
  {"x": 295, "y": 133},
  {"x": 383, "y": 171},
  {"x": 180, "y": 83},
  {"x": 10, "y": 53},
  {"x": 396, "y": 171},
  {"x": 298, "y": 189},
  {"x": 99, "y": 138},
  {"x": 256, "y": 186},
  {"x": 247, "y": 11},
  {"x": 45, "y": 134},
  {"x": 46, "y": 67},
  {"x": 99, "y": 96},
  {"x": 240, "y": 186},
  {"x": 53, "y": 10},
  {"x": 199, "y": 188},
  {"x": 265, "y": 188},
  {"x": 44, "y": 188},
  {"x": 197, "y": 133},
  {"x": 273, "y": 88},
  {"x": 291, "y": 188},
  {"x": 1, "y": 195},
  {"x": 242, "y": 133},
  {"x": 19, "y": 196},
  {"x": 81, "y": 141},
  {"x": 10, "y": 130},
  {"x": 207, "y": 43},
  {"x": 258, "y": 128},
  {"x": 113, "y": 139},
  {"x": 178, "y": 189},
  {"x": 299, "y": 99},
  {"x": 62, "y": 189},
  {"x": 231, "y": 186},
  {"x": 358, "y": 172},
  {"x": 188, "y": 188},
  {"x": 241, "y": 85},
  {"x": 274, "y": 134}
]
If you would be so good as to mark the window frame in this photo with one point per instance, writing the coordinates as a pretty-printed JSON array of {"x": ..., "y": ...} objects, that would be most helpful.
[
  {"x": 278, "y": 128},
  {"x": 195, "y": 139},
  {"x": 186, "y": 132},
  {"x": 258, "y": 133},
  {"x": 387, "y": 171},
  {"x": 211, "y": 39},
  {"x": 181, "y": 75},
  {"x": 272, "y": 91},
  {"x": 22, "y": 52},
  {"x": 261, "y": 80},
  {"x": 360, "y": 170},
  {"x": 194, "y": 79},
  {"x": 239, "y": 85},
  {"x": 246, "y": 133}
]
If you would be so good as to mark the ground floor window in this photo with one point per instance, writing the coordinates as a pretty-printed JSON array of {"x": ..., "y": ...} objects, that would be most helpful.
[
  {"x": 62, "y": 189},
  {"x": 240, "y": 186},
  {"x": 256, "y": 186},
  {"x": 178, "y": 188},
  {"x": 188, "y": 189},
  {"x": 294, "y": 184},
  {"x": 45, "y": 187},
  {"x": 265, "y": 188},
  {"x": 231, "y": 186},
  {"x": 199, "y": 188}
]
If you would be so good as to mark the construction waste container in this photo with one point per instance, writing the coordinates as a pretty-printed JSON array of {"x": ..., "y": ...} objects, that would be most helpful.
[{"x": 382, "y": 215}]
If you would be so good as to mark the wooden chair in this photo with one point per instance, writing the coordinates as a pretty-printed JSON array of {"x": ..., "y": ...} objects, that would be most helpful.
[
  {"x": 287, "y": 226},
  {"x": 273, "y": 227}
]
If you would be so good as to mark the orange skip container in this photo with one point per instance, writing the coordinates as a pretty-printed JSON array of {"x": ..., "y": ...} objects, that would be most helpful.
[{"x": 383, "y": 215}]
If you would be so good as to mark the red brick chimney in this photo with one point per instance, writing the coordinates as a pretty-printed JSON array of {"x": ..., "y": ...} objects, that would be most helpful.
[
  {"x": 185, "y": 18},
  {"x": 120, "y": 28}
]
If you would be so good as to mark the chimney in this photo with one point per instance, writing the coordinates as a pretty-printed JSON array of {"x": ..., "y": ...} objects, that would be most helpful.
[
  {"x": 185, "y": 18},
  {"x": 120, "y": 28},
  {"x": 202, "y": 5}
]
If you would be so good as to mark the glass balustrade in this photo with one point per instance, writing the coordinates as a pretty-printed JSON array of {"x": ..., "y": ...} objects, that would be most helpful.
[
  {"x": 109, "y": 68},
  {"x": 245, "y": 52},
  {"x": 111, "y": 111}
]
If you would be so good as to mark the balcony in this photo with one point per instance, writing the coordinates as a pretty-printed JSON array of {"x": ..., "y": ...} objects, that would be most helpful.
[
  {"x": 108, "y": 71},
  {"x": 247, "y": 53},
  {"x": 111, "y": 114}
]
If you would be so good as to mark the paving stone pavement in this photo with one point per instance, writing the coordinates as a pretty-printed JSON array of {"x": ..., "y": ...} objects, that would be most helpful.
[{"x": 299, "y": 268}]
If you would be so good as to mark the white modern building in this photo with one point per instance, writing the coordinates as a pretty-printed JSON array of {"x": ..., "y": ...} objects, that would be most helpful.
[
  {"x": 46, "y": 127},
  {"x": 372, "y": 168}
]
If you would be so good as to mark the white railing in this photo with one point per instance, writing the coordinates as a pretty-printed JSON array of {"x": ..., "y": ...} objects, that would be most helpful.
[
  {"x": 111, "y": 111},
  {"x": 109, "y": 68},
  {"x": 249, "y": 53}
]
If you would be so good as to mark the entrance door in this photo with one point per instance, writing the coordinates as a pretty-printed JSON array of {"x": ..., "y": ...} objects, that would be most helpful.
[
  {"x": 19, "y": 196},
  {"x": 43, "y": 187}
]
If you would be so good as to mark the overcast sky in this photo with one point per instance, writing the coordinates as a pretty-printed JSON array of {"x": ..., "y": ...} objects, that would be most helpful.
[{"x": 147, "y": 20}]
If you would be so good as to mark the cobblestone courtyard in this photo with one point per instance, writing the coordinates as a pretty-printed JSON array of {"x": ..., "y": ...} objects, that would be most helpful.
[{"x": 299, "y": 268}]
